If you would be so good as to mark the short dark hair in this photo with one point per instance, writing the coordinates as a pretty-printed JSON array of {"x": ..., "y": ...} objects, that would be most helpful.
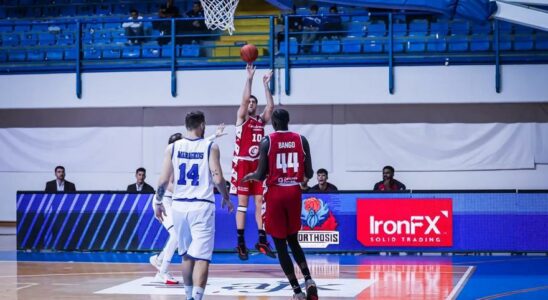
[
  {"x": 194, "y": 119},
  {"x": 334, "y": 8},
  {"x": 314, "y": 7},
  {"x": 133, "y": 10},
  {"x": 389, "y": 168},
  {"x": 322, "y": 171},
  {"x": 59, "y": 167},
  {"x": 174, "y": 137},
  {"x": 251, "y": 96},
  {"x": 141, "y": 169},
  {"x": 280, "y": 119}
]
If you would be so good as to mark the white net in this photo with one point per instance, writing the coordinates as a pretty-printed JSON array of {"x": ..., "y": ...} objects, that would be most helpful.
[{"x": 219, "y": 14}]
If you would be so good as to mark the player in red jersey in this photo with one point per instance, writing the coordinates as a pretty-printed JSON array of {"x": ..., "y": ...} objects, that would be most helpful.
[
  {"x": 285, "y": 162},
  {"x": 249, "y": 133}
]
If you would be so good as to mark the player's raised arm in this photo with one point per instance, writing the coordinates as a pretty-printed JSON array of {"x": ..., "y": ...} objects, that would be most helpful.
[
  {"x": 267, "y": 113},
  {"x": 217, "y": 174},
  {"x": 242, "y": 111},
  {"x": 308, "y": 171},
  {"x": 262, "y": 169},
  {"x": 165, "y": 174}
]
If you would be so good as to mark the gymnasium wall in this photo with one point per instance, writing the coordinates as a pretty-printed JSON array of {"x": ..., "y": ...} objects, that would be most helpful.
[{"x": 124, "y": 120}]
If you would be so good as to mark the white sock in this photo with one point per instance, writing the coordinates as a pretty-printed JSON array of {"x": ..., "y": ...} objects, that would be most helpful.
[
  {"x": 161, "y": 256},
  {"x": 197, "y": 293},
  {"x": 188, "y": 291},
  {"x": 169, "y": 250}
]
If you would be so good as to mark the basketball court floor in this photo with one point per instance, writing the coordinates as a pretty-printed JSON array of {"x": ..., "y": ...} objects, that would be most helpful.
[{"x": 33, "y": 275}]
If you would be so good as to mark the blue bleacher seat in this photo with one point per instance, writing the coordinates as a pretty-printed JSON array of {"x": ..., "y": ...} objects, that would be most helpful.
[
  {"x": 85, "y": 10},
  {"x": 119, "y": 37},
  {"x": 35, "y": 55},
  {"x": 167, "y": 51},
  {"x": 3, "y": 56},
  {"x": 103, "y": 10},
  {"x": 67, "y": 11},
  {"x": 374, "y": 41},
  {"x": 46, "y": 39},
  {"x": 40, "y": 27},
  {"x": 11, "y": 39},
  {"x": 112, "y": 53},
  {"x": 351, "y": 45},
  {"x": 192, "y": 50},
  {"x": 293, "y": 46},
  {"x": 29, "y": 39},
  {"x": 481, "y": 28},
  {"x": 330, "y": 46},
  {"x": 21, "y": 27},
  {"x": 418, "y": 28},
  {"x": 357, "y": 28},
  {"x": 102, "y": 38},
  {"x": 416, "y": 44},
  {"x": 436, "y": 44},
  {"x": 541, "y": 41},
  {"x": 70, "y": 27},
  {"x": 323, "y": 10},
  {"x": 92, "y": 53},
  {"x": 131, "y": 52},
  {"x": 121, "y": 9},
  {"x": 459, "y": 27},
  {"x": 364, "y": 18},
  {"x": 523, "y": 38},
  {"x": 315, "y": 47},
  {"x": 92, "y": 26},
  {"x": 35, "y": 12},
  {"x": 65, "y": 39},
  {"x": 439, "y": 29},
  {"x": 151, "y": 50},
  {"x": 458, "y": 43},
  {"x": 17, "y": 55},
  {"x": 54, "y": 55},
  {"x": 2, "y": 15},
  {"x": 111, "y": 26},
  {"x": 70, "y": 54},
  {"x": 480, "y": 43},
  {"x": 6, "y": 28},
  {"x": 372, "y": 45},
  {"x": 399, "y": 32},
  {"x": 376, "y": 29}
]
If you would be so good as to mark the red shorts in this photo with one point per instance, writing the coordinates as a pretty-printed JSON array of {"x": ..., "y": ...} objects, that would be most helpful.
[
  {"x": 283, "y": 210},
  {"x": 239, "y": 170}
]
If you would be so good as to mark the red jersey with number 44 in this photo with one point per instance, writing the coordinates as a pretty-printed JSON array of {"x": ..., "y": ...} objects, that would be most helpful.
[
  {"x": 285, "y": 159},
  {"x": 248, "y": 138}
]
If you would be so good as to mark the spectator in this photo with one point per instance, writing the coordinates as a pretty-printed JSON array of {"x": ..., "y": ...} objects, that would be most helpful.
[
  {"x": 311, "y": 26},
  {"x": 197, "y": 11},
  {"x": 60, "y": 184},
  {"x": 134, "y": 30},
  {"x": 323, "y": 186},
  {"x": 388, "y": 183},
  {"x": 167, "y": 11},
  {"x": 332, "y": 23},
  {"x": 140, "y": 186},
  {"x": 295, "y": 25}
]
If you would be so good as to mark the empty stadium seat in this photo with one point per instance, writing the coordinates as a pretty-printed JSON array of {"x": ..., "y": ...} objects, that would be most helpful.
[
  {"x": 376, "y": 29},
  {"x": 351, "y": 45},
  {"x": 131, "y": 52},
  {"x": 481, "y": 28},
  {"x": 70, "y": 54},
  {"x": 399, "y": 31},
  {"x": 65, "y": 39},
  {"x": 330, "y": 46},
  {"x": 459, "y": 27},
  {"x": 112, "y": 26},
  {"x": 54, "y": 55},
  {"x": 151, "y": 50},
  {"x": 293, "y": 46},
  {"x": 541, "y": 41},
  {"x": 40, "y": 27},
  {"x": 418, "y": 28},
  {"x": 53, "y": 12},
  {"x": 480, "y": 43},
  {"x": 3, "y": 56},
  {"x": 85, "y": 10},
  {"x": 46, "y": 39},
  {"x": 416, "y": 44},
  {"x": 119, "y": 37},
  {"x": 92, "y": 53},
  {"x": 439, "y": 29},
  {"x": 523, "y": 38},
  {"x": 364, "y": 18},
  {"x": 103, "y": 10},
  {"x": 505, "y": 36},
  {"x": 436, "y": 44},
  {"x": 375, "y": 37},
  {"x": 67, "y": 11},
  {"x": 11, "y": 39},
  {"x": 112, "y": 53},
  {"x": 102, "y": 38},
  {"x": 21, "y": 27},
  {"x": 167, "y": 51},
  {"x": 192, "y": 50},
  {"x": 372, "y": 45},
  {"x": 6, "y": 28},
  {"x": 29, "y": 39},
  {"x": 458, "y": 43},
  {"x": 35, "y": 55},
  {"x": 17, "y": 55},
  {"x": 357, "y": 28}
]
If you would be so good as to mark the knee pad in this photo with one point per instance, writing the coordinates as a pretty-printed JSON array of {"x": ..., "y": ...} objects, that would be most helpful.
[{"x": 242, "y": 209}]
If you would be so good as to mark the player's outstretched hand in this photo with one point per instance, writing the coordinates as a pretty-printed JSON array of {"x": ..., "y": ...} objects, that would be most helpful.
[
  {"x": 220, "y": 130},
  {"x": 228, "y": 204},
  {"x": 250, "y": 68},
  {"x": 159, "y": 212},
  {"x": 267, "y": 77}
]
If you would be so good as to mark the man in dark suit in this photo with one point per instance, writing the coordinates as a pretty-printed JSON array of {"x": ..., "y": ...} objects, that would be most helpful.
[
  {"x": 140, "y": 186},
  {"x": 60, "y": 184}
]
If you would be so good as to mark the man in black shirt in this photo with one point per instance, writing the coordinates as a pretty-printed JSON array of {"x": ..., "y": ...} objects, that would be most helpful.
[
  {"x": 388, "y": 183},
  {"x": 60, "y": 184},
  {"x": 323, "y": 186},
  {"x": 140, "y": 186}
]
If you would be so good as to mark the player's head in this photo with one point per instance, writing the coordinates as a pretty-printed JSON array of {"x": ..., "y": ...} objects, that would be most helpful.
[
  {"x": 60, "y": 172},
  {"x": 252, "y": 107},
  {"x": 195, "y": 123},
  {"x": 141, "y": 175},
  {"x": 322, "y": 176},
  {"x": 134, "y": 13},
  {"x": 174, "y": 137},
  {"x": 196, "y": 6},
  {"x": 388, "y": 173},
  {"x": 314, "y": 9},
  {"x": 280, "y": 119}
]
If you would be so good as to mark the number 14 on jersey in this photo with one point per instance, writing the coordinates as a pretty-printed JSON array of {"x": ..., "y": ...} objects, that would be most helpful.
[{"x": 287, "y": 160}]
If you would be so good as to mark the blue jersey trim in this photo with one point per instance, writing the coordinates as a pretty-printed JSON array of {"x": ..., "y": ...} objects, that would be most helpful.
[
  {"x": 193, "y": 200},
  {"x": 193, "y": 140},
  {"x": 209, "y": 150},
  {"x": 196, "y": 258},
  {"x": 172, "y": 150}
]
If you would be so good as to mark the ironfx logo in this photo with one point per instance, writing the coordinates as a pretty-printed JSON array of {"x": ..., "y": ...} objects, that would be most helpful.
[{"x": 405, "y": 222}]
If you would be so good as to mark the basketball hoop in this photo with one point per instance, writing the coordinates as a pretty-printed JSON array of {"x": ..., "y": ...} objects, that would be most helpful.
[{"x": 219, "y": 14}]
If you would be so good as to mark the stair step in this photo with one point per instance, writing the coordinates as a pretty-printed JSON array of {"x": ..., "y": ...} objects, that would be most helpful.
[
  {"x": 252, "y": 28},
  {"x": 235, "y": 51},
  {"x": 251, "y": 22}
]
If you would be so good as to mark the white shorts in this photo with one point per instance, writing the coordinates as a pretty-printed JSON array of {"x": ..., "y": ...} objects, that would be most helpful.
[
  {"x": 194, "y": 223},
  {"x": 168, "y": 218}
]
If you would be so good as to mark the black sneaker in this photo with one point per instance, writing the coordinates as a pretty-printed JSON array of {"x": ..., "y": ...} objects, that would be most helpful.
[
  {"x": 243, "y": 253},
  {"x": 311, "y": 290},
  {"x": 265, "y": 249}
]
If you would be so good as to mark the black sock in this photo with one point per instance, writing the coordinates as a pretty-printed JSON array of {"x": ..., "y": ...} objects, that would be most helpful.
[
  {"x": 241, "y": 240},
  {"x": 295, "y": 285},
  {"x": 262, "y": 236},
  {"x": 287, "y": 264},
  {"x": 298, "y": 255}
]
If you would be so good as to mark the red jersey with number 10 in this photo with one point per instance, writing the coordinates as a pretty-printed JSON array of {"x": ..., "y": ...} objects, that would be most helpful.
[
  {"x": 248, "y": 138},
  {"x": 285, "y": 159}
]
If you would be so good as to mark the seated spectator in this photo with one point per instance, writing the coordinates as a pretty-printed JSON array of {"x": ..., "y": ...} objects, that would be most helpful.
[
  {"x": 134, "y": 30},
  {"x": 196, "y": 26},
  {"x": 388, "y": 183},
  {"x": 323, "y": 186},
  {"x": 332, "y": 24},
  {"x": 60, "y": 184},
  {"x": 295, "y": 25},
  {"x": 167, "y": 11},
  {"x": 140, "y": 186},
  {"x": 311, "y": 26}
]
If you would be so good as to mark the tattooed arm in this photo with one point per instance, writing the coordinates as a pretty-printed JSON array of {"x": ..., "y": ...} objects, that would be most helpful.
[{"x": 217, "y": 174}]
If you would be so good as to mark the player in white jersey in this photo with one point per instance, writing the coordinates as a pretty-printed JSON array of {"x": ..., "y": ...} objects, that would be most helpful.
[
  {"x": 162, "y": 260},
  {"x": 194, "y": 163}
]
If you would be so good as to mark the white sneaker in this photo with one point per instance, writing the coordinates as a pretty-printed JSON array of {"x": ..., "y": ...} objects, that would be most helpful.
[
  {"x": 299, "y": 296},
  {"x": 165, "y": 278},
  {"x": 155, "y": 262}
]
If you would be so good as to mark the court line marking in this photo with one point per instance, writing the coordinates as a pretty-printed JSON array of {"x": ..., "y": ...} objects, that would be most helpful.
[
  {"x": 460, "y": 284},
  {"x": 500, "y": 260},
  {"x": 514, "y": 292},
  {"x": 26, "y": 285}
]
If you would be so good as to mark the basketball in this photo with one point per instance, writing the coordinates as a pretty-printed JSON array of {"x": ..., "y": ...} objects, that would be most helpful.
[{"x": 249, "y": 53}]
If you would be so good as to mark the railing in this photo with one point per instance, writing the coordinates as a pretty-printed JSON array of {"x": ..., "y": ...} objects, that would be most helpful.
[{"x": 92, "y": 45}]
